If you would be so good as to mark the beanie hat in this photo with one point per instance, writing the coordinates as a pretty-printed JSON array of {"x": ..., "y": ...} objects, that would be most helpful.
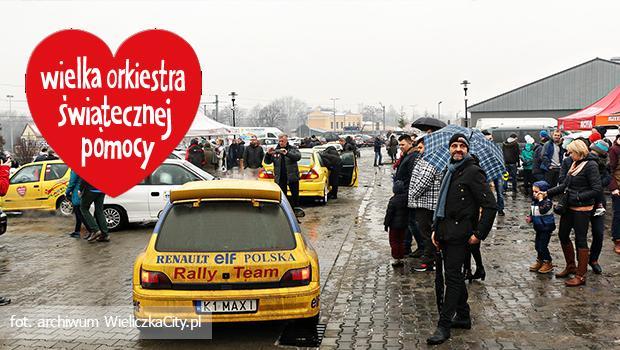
[
  {"x": 595, "y": 136},
  {"x": 459, "y": 138},
  {"x": 601, "y": 130},
  {"x": 600, "y": 147},
  {"x": 529, "y": 139},
  {"x": 542, "y": 185},
  {"x": 544, "y": 133}
]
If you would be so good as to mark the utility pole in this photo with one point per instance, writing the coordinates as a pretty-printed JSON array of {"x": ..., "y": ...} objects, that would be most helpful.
[
  {"x": 211, "y": 103},
  {"x": 216, "y": 107},
  {"x": 233, "y": 96},
  {"x": 439, "y": 109},
  {"x": 334, "y": 100},
  {"x": 383, "y": 108},
  {"x": 465, "y": 83}
]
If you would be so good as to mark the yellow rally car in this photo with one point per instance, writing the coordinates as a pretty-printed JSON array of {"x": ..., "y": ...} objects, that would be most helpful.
[
  {"x": 227, "y": 251},
  {"x": 314, "y": 176},
  {"x": 39, "y": 185}
]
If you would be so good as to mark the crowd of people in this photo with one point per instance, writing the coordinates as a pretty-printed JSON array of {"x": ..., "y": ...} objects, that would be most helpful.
[{"x": 448, "y": 213}]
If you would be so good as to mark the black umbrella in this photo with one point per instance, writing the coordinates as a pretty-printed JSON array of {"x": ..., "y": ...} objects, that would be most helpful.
[
  {"x": 439, "y": 280},
  {"x": 426, "y": 123}
]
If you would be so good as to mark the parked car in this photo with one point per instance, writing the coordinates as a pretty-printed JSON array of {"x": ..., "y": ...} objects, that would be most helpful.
[
  {"x": 314, "y": 176},
  {"x": 145, "y": 201},
  {"x": 38, "y": 186},
  {"x": 202, "y": 264},
  {"x": 268, "y": 142}
]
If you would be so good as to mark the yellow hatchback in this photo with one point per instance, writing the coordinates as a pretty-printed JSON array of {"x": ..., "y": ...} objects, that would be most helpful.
[
  {"x": 39, "y": 185},
  {"x": 227, "y": 251},
  {"x": 314, "y": 175}
]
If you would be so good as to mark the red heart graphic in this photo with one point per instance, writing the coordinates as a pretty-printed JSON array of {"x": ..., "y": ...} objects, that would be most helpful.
[
  {"x": 21, "y": 190},
  {"x": 115, "y": 130}
]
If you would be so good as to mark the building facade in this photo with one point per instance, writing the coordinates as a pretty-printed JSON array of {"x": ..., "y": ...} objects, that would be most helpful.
[
  {"x": 324, "y": 120},
  {"x": 554, "y": 96}
]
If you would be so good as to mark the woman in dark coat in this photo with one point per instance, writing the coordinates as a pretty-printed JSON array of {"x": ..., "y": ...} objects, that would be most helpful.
[
  {"x": 581, "y": 187},
  {"x": 392, "y": 148},
  {"x": 396, "y": 221}
]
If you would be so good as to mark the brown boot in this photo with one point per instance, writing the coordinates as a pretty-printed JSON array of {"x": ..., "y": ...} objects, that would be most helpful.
[
  {"x": 546, "y": 267},
  {"x": 536, "y": 266},
  {"x": 583, "y": 255},
  {"x": 617, "y": 246},
  {"x": 569, "y": 256}
]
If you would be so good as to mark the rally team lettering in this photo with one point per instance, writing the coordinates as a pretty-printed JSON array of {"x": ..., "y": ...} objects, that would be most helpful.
[
  {"x": 207, "y": 275},
  {"x": 227, "y": 258}
]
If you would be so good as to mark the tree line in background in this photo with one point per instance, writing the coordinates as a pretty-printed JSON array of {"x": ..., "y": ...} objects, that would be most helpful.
[{"x": 288, "y": 113}]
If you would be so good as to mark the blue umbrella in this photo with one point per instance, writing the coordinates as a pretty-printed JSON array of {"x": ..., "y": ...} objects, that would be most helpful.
[{"x": 437, "y": 150}]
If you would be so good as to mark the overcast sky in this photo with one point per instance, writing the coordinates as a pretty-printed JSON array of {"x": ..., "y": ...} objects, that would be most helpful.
[{"x": 401, "y": 53}]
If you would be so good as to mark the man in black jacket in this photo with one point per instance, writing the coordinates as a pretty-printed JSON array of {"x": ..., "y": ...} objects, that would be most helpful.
[
  {"x": 464, "y": 215},
  {"x": 284, "y": 158},
  {"x": 403, "y": 178},
  {"x": 331, "y": 159},
  {"x": 252, "y": 155}
]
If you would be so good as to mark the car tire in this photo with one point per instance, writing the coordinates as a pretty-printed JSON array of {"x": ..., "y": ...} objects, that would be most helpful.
[
  {"x": 115, "y": 216},
  {"x": 64, "y": 207}
]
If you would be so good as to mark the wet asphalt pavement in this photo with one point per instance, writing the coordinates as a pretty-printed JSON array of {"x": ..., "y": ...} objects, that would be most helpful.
[{"x": 365, "y": 302}]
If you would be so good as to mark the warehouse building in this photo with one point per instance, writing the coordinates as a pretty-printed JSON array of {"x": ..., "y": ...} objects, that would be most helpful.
[{"x": 555, "y": 96}]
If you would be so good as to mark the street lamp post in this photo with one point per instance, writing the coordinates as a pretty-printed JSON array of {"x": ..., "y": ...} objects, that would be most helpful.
[
  {"x": 233, "y": 96},
  {"x": 439, "y": 109},
  {"x": 383, "y": 109},
  {"x": 334, "y": 124},
  {"x": 465, "y": 83},
  {"x": 10, "y": 97}
]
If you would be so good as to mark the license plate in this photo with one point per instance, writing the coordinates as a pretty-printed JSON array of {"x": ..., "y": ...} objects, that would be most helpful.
[{"x": 226, "y": 306}]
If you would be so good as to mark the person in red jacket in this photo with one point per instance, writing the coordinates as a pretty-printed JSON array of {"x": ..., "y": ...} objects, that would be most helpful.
[{"x": 5, "y": 165}]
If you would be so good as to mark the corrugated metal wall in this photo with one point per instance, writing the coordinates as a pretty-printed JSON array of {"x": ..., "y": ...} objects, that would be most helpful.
[{"x": 572, "y": 89}]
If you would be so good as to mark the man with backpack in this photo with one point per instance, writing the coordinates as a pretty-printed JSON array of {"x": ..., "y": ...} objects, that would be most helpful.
[
  {"x": 195, "y": 154},
  {"x": 527, "y": 159}
]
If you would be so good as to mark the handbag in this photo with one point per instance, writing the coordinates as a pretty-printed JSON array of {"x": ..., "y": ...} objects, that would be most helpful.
[{"x": 561, "y": 206}]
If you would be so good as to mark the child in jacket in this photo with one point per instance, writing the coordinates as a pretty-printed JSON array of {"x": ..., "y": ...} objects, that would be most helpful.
[{"x": 541, "y": 217}]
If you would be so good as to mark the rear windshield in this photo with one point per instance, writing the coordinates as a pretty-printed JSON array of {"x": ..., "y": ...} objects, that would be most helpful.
[
  {"x": 225, "y": 226},
  {"x": 306, "y": 159}
]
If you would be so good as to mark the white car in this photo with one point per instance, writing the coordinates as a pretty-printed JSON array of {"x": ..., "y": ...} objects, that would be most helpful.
[{"x": 145, "y": 201}]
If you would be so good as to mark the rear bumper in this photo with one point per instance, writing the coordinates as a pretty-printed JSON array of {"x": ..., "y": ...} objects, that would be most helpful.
[
  {"x": 273, "y": 304},
  {"x": 307, "y": 188}
]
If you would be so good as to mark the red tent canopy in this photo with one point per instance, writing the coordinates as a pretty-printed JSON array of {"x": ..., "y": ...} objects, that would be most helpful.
[{"x": 599, "y": 113}]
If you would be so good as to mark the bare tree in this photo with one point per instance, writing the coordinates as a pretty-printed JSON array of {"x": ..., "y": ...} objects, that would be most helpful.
[
  {"x": 25, "y": 150},
  {"x": 271, "y": 115},
  {"x": 295, "y": 111}
]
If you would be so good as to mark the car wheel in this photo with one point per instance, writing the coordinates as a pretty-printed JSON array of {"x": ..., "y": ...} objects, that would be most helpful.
[
  {"x": 115, "y": 217},
  {"x": 64, "y": 207}
]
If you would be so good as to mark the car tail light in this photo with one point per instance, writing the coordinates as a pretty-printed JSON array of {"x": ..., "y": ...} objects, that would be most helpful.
[
  {"x": 310, "y": 175},
  {"x": 154, "y": 280},
  {"x": 297, "y": 277},
  {"x": 265, "y": 174}
]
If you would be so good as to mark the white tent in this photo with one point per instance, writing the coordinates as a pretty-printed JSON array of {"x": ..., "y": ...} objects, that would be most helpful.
[{"x": 205, "y": 126}]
